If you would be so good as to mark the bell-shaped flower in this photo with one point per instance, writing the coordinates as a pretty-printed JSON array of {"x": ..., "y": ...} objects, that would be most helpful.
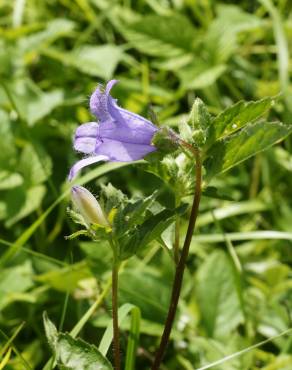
[
  {"x": 118, "y": 136},
  {"x": 88, "y": 206}
]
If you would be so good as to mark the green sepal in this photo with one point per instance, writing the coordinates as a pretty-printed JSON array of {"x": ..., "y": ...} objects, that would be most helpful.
[{"x": 165, "y": 140}]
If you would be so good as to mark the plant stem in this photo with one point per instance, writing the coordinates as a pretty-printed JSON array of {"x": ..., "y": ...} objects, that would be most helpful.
[
  {"x": 116, "y": 339},
  {"x": 176, "y": 234},
  {"x": 116, "y": 333},
  {"x": 179, "y": 273}
]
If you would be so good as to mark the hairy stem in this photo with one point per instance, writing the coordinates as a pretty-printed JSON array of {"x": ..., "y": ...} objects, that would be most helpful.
[
  {"x": 176, "y": 234},
  {"x": 116, "y": 334},
  {"x": 179, "y": 273}
]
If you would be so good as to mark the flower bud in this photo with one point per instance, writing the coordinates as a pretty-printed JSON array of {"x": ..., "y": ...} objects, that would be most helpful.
[
  {"x": 88, "y": 206},
  {"x": 199, "y": 117}
]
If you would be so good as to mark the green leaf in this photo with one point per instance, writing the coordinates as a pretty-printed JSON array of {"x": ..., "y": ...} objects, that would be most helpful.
[
  {"x": 132, "y": 287},
  {"x": 18, "y": 208},
  {"x": 238, "y": 115},
  {"x": 132, "y": 214},
  {"x": 213, "y": 192},
  {"x": 254, "y": 138},
  {"x": 9, "y": 180},
  {"x": 8, "y": 149},
  {"x": 221, "y": 39},
  {"x": 43, "y": 104},
  {"x": 51, "y": 332},
  {"x": 32, "y": 103},
  {"x": 99, "y": 61},
  {"x": 112, "y": 197},
  {"x": 161, "y": 36},
  {"x": 15, "y": 280},
  {"x": 65, "y": 279},
  {"x": 35, "y": 165},
  {"x": 148, "y": 231},
  {"x": 75, "y": 354},
  {"x": 200, "y": 76},
  {"x": 55, "y": 29},
  {"x": 217, "y": 295}
]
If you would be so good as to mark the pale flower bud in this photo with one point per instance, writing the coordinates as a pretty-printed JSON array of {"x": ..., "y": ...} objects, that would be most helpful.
[{"x": 88, "y": 206}]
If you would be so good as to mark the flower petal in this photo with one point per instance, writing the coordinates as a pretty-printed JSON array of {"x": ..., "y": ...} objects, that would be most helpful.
[
  {"x": 85, "y": 145},
  {"x": 134, "y": 130},
  {"x": 84, "y": 163},
  {"x": 87, "y": 138},
  {"x": 100, "y": 100},
  {"x": 89, "y": 129},
  {"x": 123, "y": 152}
]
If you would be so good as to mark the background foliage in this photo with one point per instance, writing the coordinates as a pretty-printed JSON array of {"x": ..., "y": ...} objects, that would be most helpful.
[{"x": 238, "y": 288}]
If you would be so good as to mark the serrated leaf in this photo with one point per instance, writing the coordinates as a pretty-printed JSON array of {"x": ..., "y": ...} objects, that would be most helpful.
[
  {"x": 238, "y": 115},
  {"x": 217, "y": 295},
  {"x": 73, "y": 354},
  {"x": 111, "y": 197},
  {"x": 148, "y": 231},
  {"x": 161, "y": 36},
  {"x": 254, "y": 138},
  {"x": 51, "y": 332},
  {"x": 132, "y": 214}
]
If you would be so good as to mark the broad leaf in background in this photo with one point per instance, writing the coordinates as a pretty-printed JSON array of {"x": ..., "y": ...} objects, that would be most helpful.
[
  {"x": 132, "y": 287},
  {"x": 221, "y": 39},
  {"x": 27, "y": 192},
  {"x": 20, "y": 202},
  {"x": 9, "y": 180},
  {"x": 199, "y": 75},
  {"x": 242, "y": 145},
  {"x": 14, "y": 281},
  {"x": 7, "y": 142},
  {"x": 217, "y": 295},
  {"x": 56, "y": 28},
  {"x": 167, "y": 37},
  {"x": 66, "y": 278},
  {"x": 35, "y": 165},
  {"x": 32, "y": 103},
  {"x": 99, "y": 61}
]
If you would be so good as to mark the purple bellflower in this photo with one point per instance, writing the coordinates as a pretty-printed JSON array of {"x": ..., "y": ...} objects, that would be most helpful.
[{"x": 119, "y": 135}]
